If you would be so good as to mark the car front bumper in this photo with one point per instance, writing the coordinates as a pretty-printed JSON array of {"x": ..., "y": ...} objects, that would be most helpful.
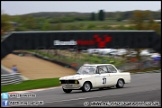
[{"x": 71, "y": 86}]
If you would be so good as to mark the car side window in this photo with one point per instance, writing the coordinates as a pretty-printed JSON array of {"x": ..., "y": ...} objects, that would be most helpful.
[
  {"x": 97, "y": 72},
  {"x": 111, "y": 69},
  {"x": 102, "y": 69}
]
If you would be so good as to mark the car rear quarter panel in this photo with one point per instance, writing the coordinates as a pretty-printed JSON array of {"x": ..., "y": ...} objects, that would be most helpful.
[{"x": 126, "y": 76}]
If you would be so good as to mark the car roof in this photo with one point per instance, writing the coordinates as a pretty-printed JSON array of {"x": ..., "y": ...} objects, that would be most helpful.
[{"x": 95, "y": 64}]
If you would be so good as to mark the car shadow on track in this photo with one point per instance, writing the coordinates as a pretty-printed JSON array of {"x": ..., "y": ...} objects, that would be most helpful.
[{"x": 98, "y": 89}]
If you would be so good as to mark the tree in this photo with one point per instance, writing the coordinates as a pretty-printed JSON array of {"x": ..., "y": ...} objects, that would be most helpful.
[
  {"x": 144, "y": 20},
  {"x": 101, "y": 15},
  {"x": 92, "y": 17},
  {"x": 139, "y": 18},
  {"x": 30, "y": 22},
  {"x": 157, "y": 27},
  {"x": 46, "y": 25},
  {"x": 5, "y": 23}
]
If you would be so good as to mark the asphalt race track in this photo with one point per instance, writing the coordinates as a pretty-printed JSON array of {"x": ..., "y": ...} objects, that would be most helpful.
[{"x": 144, "y": 88}]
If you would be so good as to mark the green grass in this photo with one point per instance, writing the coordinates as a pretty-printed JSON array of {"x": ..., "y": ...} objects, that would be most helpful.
[
  {"x": 31, "y": 84},
  {"x": 106, "y": 22}
]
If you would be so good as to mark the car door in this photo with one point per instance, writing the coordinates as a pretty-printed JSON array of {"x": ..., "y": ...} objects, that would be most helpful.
[
  {"x": 101, "y": 76},
  {"x": 113, "y": 76}
]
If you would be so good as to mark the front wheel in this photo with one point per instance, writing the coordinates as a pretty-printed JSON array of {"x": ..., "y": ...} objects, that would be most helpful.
[
  {"x": 86, "y": 87},
  {"x": 120, "y": 84},
  {"x": 66, "y": 90}
]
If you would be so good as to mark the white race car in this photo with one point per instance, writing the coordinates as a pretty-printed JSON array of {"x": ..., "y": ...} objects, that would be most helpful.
[{"x": 91, "y": 76}]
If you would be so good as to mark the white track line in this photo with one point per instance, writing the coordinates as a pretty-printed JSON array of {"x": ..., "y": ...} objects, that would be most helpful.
[
  {"x": 71, "y": 99},
  {"x": 76, "y": 99}
]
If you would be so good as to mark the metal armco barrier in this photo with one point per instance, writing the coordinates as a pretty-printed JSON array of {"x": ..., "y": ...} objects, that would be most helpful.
[{"x": 7, "y": 79}]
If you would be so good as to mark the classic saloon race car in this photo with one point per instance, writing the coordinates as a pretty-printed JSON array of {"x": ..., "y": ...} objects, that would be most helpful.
[{"x": 91, "y": 76}]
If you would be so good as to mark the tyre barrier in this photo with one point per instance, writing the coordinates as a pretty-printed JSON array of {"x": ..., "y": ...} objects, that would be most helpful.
[{"x": 7, "y": 79}]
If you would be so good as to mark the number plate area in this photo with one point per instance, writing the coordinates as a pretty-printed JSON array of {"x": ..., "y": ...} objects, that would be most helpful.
[
  {"x": 71, "y": 86},
  {"x": 68, "y": 85}
]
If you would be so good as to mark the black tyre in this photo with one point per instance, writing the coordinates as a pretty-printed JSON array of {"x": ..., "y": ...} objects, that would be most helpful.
[
  {"x": 66, "y": 90},
  {"x": 86, "y": 87},
  {"x": 120, "y": 83}
]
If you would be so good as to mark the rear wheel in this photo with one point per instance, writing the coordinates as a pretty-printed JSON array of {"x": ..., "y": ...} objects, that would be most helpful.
[
  {"x": 86, "y": 87},
  {"x": 66, "y": 90},
  {"x": 120, "y": 83}
]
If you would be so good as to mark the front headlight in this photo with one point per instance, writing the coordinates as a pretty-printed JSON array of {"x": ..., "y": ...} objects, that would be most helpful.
[{"x": 76, "y": 82}]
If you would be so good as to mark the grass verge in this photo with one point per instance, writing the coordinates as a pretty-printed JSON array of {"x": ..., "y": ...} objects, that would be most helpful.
[{"x": 31, "y": 84}]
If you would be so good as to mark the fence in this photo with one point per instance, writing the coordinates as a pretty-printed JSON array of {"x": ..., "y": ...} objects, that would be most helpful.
[{"x": 7, "y": 79}]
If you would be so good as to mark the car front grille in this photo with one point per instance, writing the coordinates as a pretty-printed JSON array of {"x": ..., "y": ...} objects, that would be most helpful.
[{"x": 67, "y": 81}]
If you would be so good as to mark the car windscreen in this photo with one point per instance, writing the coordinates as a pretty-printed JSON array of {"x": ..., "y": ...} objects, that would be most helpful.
[{"x": 87, "y": 70}]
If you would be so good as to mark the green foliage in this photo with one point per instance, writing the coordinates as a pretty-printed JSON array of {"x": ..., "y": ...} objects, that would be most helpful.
[
  {"x": 73, "y": 27},
  {"x": 29, "y": 22},
  {"x": 138, "y": 19},
  {"x": 101, "y": 15},
  {"x": 111, "y": 15},
  {"x": 143, "y": 20},
  {"x": 90, "y": 26},
  {"x": 86, "y": 21},
  {"x": 93, "y": 16},
  {"x": 20, "y": 28},
  {"x": 5, "y": 23},
  {"x": 46, "y": 26},
  {"x": 57, "y": 26},
  {"x": 67, "y": 19}
]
